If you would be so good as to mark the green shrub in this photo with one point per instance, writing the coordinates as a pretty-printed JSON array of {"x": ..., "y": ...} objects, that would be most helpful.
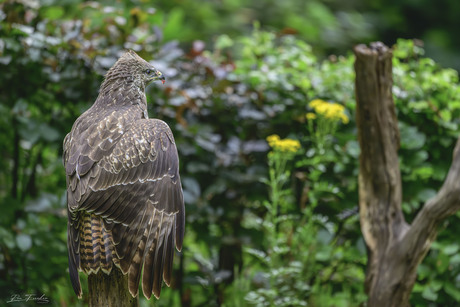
[{"x": 286, "y": 243}]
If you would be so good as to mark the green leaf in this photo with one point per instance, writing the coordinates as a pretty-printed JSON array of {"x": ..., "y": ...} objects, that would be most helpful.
[
  {"x": 223, "y": 41},
  {"x": 455, "y": 259},
  {"x": 53, "y": 12},
  {"x": 429, "y": 294},
  {"x": 24, "y": 242},
  {"x": 419, "y": 105},
  {"x": 324, "y": 254},
  {"x": 452, "y": 290},
  {"x": 419, "y": 157},
  {"x": 324, "y": 236},
  {"x": 446, "y": 115},
  {"x": 6, "y": 238},
  {"x": 436, "y": 285},
  {"x": 417, "y": 288},
  {"x": 442, "y": 262},
  {"x": 353, "y": 149},
  {"x": 411, "y": 138},
  {"x": 451, "y": 249},
  {"x": 257, "y": 253},
  {"x": 424, "y": 172},
  {"x": 174, "y": 28},
  {"x": 423, "y": 271}
]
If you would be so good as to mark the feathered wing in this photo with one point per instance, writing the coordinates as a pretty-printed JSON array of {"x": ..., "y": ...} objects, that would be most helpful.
[{"x": 133, "y": 187}]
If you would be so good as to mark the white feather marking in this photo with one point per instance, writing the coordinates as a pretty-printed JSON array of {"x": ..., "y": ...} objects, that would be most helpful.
[
  {"x": 76, "y": 171},
  {"x": 153, "y": 179},
  {"x": 131, "y": 182}
]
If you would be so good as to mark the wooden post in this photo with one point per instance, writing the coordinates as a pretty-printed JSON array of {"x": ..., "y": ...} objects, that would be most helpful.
[
  {"x": 395, "y": 249},
  {"x": 110, "y": 290}
]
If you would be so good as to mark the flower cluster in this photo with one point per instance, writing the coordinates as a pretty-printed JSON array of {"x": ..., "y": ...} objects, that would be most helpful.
[
  {"x": 329, "y": 110},
  {"x": 283, "y": 145}
]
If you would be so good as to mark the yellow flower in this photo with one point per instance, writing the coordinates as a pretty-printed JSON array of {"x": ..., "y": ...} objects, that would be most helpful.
[
  {"x": 344, "y": 118},
  {"x": 272, "y": 140},
  {"x": 316, "y": 102},
  {"x": 310, "y": 116},
  {"x": 283, "y": 145},
  {"x": 329, "y": 110}
]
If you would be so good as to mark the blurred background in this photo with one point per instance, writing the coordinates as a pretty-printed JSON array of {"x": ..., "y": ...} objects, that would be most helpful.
[{"x": 268, "y": 223}]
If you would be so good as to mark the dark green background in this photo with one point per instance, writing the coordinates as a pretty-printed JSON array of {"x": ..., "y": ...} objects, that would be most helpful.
[{"x": 230, "y": 84}]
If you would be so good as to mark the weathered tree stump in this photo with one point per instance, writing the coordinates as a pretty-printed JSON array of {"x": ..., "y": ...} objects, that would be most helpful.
[
  {"x": 110, "y": 290},
  {"x": 395, "y": 249}
]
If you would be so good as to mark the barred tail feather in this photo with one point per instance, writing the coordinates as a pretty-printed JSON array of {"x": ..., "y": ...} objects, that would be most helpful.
[
  {"x": 107, "y": 261},
  {"x": 96, "y": 247},
  {"x": 148, "y": 246}
]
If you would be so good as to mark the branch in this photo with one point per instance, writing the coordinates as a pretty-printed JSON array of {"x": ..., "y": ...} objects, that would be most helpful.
[{"x": 423, "y": 230}]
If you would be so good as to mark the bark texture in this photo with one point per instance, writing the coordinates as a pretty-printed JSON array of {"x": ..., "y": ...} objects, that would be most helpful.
[
  {"x": 395, "y": 249},
  {"x": 110, "y": 290}
]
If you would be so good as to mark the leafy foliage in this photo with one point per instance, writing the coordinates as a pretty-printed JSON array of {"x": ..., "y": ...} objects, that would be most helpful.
[{"x": 288, "y": 239}]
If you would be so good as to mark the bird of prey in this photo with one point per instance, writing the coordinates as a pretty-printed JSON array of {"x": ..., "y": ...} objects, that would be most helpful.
[{"x": 124, "y": 196}]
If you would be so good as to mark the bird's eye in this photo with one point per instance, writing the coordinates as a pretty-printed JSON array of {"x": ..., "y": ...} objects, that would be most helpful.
[{"x": 148, "y": 71}]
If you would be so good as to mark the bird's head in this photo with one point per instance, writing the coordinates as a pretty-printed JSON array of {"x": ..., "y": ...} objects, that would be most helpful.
[{"x": 133, "y": 69}]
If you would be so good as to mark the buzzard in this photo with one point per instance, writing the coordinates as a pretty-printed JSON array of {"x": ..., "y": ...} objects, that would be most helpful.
[{"x": 124, "y": 196}]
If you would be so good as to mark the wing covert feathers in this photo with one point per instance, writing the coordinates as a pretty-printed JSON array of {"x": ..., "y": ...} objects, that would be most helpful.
[{"x": 125, "y": 202}]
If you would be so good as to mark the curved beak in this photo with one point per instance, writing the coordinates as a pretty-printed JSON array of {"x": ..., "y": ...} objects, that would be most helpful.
[{"x": 162, "y": 79}]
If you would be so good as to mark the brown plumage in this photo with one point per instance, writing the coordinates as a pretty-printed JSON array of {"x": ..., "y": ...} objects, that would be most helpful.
[{"x": 124, "y": 195}]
